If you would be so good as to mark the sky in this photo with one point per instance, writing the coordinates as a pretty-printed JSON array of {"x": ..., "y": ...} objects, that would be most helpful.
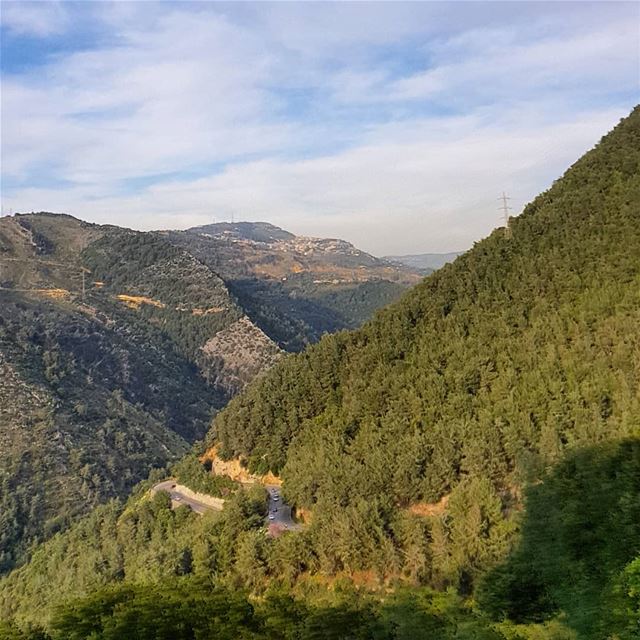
[{"x": 393, "y": 125}]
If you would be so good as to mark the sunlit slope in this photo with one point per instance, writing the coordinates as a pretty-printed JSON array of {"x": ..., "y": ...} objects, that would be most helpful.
[
  {"x": 296, "y": 288},
  {"x": 492, "y": 367}
]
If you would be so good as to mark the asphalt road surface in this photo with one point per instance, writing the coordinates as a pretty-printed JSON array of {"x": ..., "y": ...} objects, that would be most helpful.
[
  {"x": 279, "y": 512},
  {"x": 178, "y": 498}
]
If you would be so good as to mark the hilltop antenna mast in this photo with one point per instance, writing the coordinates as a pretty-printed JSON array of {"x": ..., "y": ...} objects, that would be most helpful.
[{"x": 505, "y": 208}]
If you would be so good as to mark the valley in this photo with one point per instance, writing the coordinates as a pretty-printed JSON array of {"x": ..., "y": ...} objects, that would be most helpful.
[
  {"x": 295, "y": 288},
  {"x": 454, "y": 459},
  {"x": 117, "y": 347},
  {"x": 319, "y": 320}
]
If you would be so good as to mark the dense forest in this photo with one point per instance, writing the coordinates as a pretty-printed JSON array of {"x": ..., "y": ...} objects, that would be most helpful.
[
  {"x": 497, "y": 364},
  {"x": 523, "y": 351},
  {"x": 191, "y": 608},
  {"x": 467, "y": 465},
  {"x": 143, "y": 566}
]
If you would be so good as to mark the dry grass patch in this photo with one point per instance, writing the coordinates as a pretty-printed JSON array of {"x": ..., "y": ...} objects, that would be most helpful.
[{"x": 135, "y": 302}]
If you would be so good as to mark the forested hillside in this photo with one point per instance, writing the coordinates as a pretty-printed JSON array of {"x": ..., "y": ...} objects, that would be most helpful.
[
  {"x": 99, "y": 388},
  {"x": 479, "y": 438},
  {"x": 87, "y": 411},
  {"x": 449, "y": 403},
  {"x": 142, "y": 568},
  {"x": 497, "y": 363}
]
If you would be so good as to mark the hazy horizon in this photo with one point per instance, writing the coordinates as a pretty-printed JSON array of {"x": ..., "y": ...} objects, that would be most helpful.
[{"x": 394, "y": 126}]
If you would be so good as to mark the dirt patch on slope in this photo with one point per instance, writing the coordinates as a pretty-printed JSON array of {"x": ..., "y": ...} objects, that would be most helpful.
[
  {"x": 235, "y": 470},
  {"x": 430, "y": 508}
]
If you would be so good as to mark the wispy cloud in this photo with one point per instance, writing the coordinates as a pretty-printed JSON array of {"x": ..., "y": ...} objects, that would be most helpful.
[
  {"x": 34, "y": 18},
  {"x": 394, "y": 129}
]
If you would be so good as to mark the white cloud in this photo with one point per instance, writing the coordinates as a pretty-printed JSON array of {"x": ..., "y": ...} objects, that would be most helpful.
[
  {"x": 34, "y": 18},
  {"x": 210, "y": 90},
  {"x": 181, "y": 95},
  {"x": 436, "y": 192},
  {"x": 507, "y": 63}
]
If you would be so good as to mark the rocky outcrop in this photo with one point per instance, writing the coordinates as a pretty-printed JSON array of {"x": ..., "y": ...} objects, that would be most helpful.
[{"x": 237, "y": 354}]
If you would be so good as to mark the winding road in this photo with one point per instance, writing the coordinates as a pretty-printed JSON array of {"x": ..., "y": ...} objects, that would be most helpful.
[
  {"x": 278, "y": 515},
  {"x": 178, "y": 497}
]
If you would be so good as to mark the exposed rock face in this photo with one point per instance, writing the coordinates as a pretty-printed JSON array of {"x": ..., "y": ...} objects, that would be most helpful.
[{"x": 237, "y": 354}]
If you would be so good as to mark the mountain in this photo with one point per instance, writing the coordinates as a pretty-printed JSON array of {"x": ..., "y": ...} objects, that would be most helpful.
[
  {"x": 264, "y": 250},
  {"x": 117, "y": 346},
  {"x": 262, "y": 232},
  {"x": 424, "y": 262},
  {"x": 505, "y": 315},
  {"x": 480, "y": 437},
  {"x": 99, "y": 388},
  {"x": 449, "y": 404},
  {"x": 295, "y": 288}
]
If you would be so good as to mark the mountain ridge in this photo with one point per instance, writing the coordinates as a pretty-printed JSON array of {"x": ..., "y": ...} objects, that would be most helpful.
[
  {"x": 294, "y": 288},
  {"x": 107, "y": 324},
  {"x": 425, "y": 262},
  {"x": 470, "y": 452},
  {"x": 255, "y": 231}
]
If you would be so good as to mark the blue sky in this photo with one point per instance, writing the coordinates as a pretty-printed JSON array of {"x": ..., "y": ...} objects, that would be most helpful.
[{"x": 392, "y": 125}]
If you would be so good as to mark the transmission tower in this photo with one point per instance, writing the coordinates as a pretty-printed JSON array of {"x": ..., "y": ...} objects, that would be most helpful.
[{"x": 505, "y": 208}]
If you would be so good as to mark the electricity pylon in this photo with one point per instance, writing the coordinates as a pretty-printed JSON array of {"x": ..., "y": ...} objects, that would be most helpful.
[{"x": 505, "y": 208}]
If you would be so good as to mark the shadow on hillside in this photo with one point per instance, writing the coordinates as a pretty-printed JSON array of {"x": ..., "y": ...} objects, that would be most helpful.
[{"x": 580, "y": 536}]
